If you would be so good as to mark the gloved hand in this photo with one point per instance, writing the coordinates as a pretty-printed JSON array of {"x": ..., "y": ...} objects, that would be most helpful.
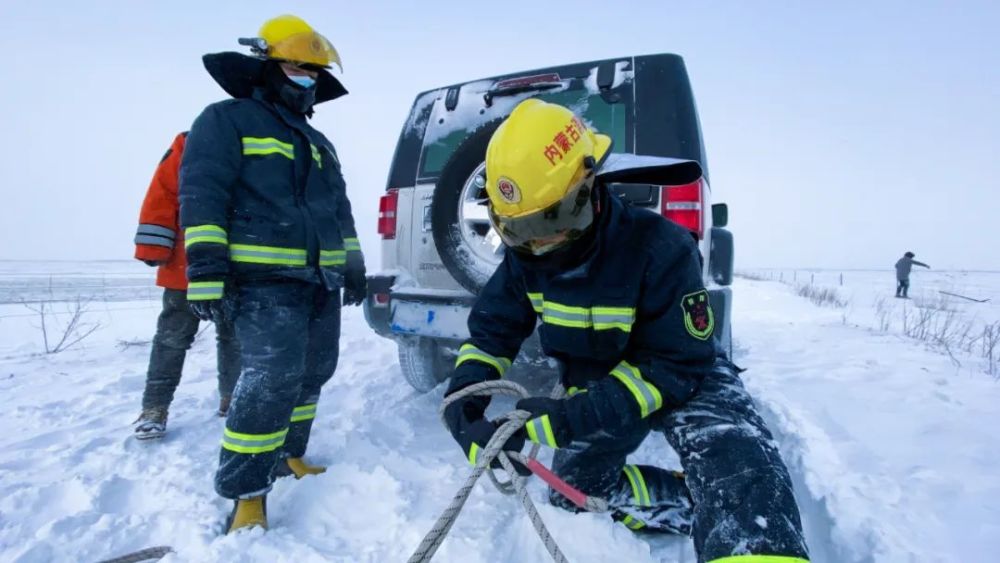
[
  {"x": 153, "y": 263},
  {"x": 355, "y": 284},
  {"x": 209, "y": 300},
  {"x": 473, "y": 431},
  {"x": 549, "y": 423}
]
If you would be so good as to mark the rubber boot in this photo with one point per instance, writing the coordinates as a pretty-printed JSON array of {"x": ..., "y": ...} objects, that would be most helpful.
[
  {"x": 247, "y": 513},
  {"x": 151, "y": 424},
  {"x": 298, "y": 467}
]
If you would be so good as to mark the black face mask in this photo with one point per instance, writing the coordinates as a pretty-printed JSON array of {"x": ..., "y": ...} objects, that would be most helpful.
[{"x": 281, "y": 89}]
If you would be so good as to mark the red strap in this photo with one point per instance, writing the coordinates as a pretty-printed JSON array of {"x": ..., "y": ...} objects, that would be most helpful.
[{"x": 565, "y": 489}]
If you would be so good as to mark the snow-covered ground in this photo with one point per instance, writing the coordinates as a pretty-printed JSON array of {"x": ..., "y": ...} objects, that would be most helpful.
[{"x": 893, "y": 447}]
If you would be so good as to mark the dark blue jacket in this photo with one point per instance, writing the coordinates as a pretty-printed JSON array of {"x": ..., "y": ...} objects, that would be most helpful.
[
  {"x": 262, "y": 196},
  {"x": 631, "y": 326}
]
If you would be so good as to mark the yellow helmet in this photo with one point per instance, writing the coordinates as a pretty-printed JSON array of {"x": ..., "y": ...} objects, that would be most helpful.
[
  {"x": 290, "y": 38},
  {"x": 540, "y": 166}
]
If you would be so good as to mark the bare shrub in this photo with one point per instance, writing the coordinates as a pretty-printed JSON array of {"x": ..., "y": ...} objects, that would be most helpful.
[
  {"x": 991, "y": 348},
  {"x": 883, "y": 314},
  {"x": 123, "y": 344},
  {"x": 70, "y": 333},
  {"x": 822, "y": 296}
]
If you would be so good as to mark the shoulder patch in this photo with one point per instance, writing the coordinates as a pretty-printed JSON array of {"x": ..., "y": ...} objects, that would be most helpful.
[{"x": 699, "y": 320}]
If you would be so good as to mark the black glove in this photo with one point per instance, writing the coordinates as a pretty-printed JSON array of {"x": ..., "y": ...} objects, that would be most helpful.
[
  {"x": 549, "y": 423},
  {"x": 209, "y": 300},
  {"x": 355, "y": 285},
  {"x": 473, "y": 431},
  {"x": 153, "y": 263}
]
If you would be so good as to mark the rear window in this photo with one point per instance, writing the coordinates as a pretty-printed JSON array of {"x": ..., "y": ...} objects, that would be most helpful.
[{"x": 609, "y": 113}]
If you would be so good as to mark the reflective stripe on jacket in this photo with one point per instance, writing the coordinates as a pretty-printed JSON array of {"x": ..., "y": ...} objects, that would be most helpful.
[
  {"x": 262, "y": 195},
  {"x": 159, "y": 238}
]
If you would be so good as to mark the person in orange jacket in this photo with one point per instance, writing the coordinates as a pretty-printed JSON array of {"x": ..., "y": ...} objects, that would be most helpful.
[{"x": 159, "y": 242}]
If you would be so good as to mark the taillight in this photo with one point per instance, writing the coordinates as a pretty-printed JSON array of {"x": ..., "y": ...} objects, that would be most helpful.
[
  {"x": 387, "y": 205},
  {"x": 683, "y": 205}
]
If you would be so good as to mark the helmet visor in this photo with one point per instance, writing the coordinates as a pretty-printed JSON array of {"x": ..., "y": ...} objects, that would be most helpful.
[
  {"x": 310, "y": 48},
  {"x": 551, "y": 228}
]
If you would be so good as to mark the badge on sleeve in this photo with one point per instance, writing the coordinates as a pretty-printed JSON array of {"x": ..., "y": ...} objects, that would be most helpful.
[{"x": 698, "y": 317}]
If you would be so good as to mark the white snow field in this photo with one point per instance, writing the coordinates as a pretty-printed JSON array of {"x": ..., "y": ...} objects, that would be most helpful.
[{"x": 893, "y": 446}]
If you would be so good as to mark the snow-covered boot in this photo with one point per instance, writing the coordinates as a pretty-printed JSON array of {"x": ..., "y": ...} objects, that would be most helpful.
[
  {"x": 151, "y": 424},
  {"x": 224, "y": 405},
  {"x": 296, "y": 466},
  {"x": 247, "y": 513}
]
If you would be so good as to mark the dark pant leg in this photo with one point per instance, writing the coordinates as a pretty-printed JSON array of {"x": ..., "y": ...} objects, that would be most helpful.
[
  {"x": 272, "y": 321},
  {"x": 227, "y": 347},
  {"x": 743, "y": 502},
  {"x": 322, "y": 353},
  {"x": 175, "y": 331},
  {"x": 904, "y": 285},
  {"x": 899, "y": 288},
  {"x": 594, "y": 467}
]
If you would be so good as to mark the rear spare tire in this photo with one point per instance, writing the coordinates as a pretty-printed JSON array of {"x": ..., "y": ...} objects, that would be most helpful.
[
  {"x": 469, "y": 247},
  {"x": 423, "y": 363}
]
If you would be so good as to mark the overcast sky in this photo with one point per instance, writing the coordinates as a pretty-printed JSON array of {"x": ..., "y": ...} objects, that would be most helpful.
[{"x": 841, "y": 134}]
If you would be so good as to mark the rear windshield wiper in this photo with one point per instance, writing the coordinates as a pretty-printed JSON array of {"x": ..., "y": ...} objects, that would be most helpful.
[{"x": 522, "y": 85}]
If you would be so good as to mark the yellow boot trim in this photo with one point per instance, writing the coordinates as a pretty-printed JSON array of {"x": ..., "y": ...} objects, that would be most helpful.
[
  {"x": 248, "y": 513},
  {"x": 300, "y": 468}
]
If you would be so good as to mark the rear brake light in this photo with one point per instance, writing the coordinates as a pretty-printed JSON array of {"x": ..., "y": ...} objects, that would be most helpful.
[
  {"x": 387, "y": 206},
  {"x": 683, "y": 205},
  {"x": 381, "y": 300}
]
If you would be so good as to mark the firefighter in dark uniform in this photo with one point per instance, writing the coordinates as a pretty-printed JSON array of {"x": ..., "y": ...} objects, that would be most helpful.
[
  {"x": 270, "y": 242},
  {"x": 618, "y": 296}
]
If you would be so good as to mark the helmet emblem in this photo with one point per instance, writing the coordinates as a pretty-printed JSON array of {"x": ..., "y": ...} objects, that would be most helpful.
[{"x": 508, "y": 190}]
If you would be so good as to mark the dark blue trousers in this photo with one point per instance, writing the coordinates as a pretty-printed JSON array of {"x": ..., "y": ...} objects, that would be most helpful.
[
  {"x": 175, "y": 331},
  {"x": 735, "y": 495},
  {"x": 289, "y": 333}
]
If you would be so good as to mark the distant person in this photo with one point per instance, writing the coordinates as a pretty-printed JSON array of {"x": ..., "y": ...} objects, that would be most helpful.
[
  {"x": 903, "y": 267},
  {"x": 159, "y": 243}
]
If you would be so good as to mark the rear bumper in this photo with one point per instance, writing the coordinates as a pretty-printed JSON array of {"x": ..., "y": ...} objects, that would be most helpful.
[{"x": 394, "y": 312}]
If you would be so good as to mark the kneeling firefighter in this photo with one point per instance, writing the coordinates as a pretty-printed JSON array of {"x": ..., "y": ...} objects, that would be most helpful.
[
  {"x": 622, "y": 308},
  {"x": 270, "y": 242}
]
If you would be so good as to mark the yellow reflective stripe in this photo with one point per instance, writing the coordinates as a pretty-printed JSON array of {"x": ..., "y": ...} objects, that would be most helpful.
[
  {"x": 254, "y": 254},
  {"x": 474, "y": 453},
  {"x": 332, "y": 257},
  {"x": 470, "y": 352},
  {"x": 204, "y": 291},
  {"x": 316, "y": 156},
  {"x": 540, "y": 431},
  {"x": 759, "y": 559},
  {"x": 351, "y": 244},
  {"x": 633, "y": 523},
  {"x": 598, "y": 317},
  {"x": 204, "y": 233},
  {"x": 575, "y": 391},
  {"x": 267, "y": 145},
  {"x": 536, "y": 301},
  {"x": 304, "y": 412},
  {"x": 646, "y": 394},
  {"x": 252, "y": 443},
  {"x": 639, "y": 490}
]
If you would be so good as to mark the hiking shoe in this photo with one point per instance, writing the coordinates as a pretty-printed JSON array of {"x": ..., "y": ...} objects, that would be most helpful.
[
  {"x": 296, "y": 466},
  {"x": 247, "y": 513},
  {"x": 151, "y": 424},
  {"x": 224, "y": 405}
]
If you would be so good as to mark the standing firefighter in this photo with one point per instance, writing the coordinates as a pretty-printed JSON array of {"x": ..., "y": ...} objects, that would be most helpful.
[
  {"x": 158, "y": 243},
  {"x": 622, "y": 308},
  {"x": 270, "y": 241},
  {"x": 903, "y": 267}
]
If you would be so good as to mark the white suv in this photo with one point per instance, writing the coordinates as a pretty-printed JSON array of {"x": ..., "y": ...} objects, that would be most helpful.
[{"x": 438, "y": 248}]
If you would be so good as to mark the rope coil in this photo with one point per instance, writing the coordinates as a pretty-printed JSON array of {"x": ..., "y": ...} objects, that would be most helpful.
[{"x": 512, "y": 422}]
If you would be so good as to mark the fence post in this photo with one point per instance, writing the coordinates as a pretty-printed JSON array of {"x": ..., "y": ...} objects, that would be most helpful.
[
  {"x": 812, "y": 279},
  {"x": 841, "y": 279}
]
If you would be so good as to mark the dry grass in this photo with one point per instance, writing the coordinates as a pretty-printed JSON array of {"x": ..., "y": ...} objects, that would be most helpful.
[{"x": 822, "y": 296}]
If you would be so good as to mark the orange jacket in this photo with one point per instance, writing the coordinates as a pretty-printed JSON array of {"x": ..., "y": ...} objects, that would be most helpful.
[{"x": 159, "y": 238}]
